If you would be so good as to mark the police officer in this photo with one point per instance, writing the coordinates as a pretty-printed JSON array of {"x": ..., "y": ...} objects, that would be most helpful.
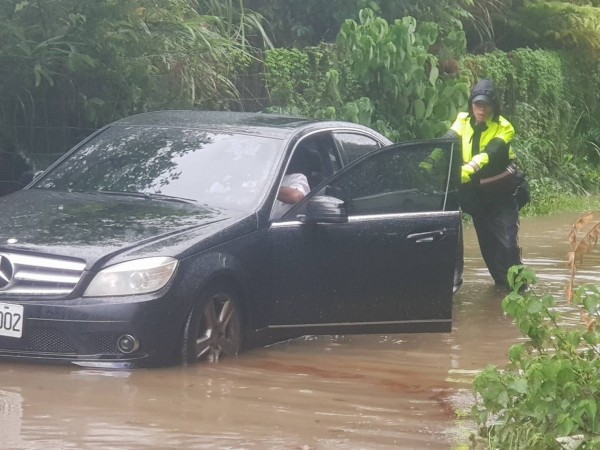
[{"x": 489, "y": 179}]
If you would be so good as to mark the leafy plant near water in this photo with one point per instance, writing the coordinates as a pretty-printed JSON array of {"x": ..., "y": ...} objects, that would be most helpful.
[
  {"x": 379, "y": 74},
  {"x": 401, "y": 77},
  {"x": 548, "y": 396}
]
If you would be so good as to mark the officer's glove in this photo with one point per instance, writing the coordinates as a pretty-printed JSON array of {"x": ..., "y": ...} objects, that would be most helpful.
[
  {"x": 435, "y": 156},
  {"x": 465, "y": 174},
  {"x": 425, "y": 167},
  {"x": 473, "y": 166}
]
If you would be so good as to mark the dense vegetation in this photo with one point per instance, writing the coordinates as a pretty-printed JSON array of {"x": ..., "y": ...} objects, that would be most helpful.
[
  {"x": 403, "y": 67},
  {"x": 70, "y": 66}
]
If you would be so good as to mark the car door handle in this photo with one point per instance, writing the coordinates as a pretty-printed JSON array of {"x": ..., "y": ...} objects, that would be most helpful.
[{"x": 428, "y": 236}]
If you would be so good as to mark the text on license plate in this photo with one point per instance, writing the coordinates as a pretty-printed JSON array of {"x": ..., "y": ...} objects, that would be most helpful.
[{"x": 11, "y": 320}]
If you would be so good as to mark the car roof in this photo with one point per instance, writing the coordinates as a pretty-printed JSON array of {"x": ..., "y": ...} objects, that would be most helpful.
[{"x": 270, "y": 125}]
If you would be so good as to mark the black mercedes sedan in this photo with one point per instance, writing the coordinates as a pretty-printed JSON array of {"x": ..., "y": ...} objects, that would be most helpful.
[{"x": 156, "y": 240}]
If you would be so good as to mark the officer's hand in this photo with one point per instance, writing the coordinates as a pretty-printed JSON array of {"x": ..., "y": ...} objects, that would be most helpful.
[
  {"x": 425, "y": 167},
  {"x": 465, "y": 173},
  {"x": 479, "y": 160}
]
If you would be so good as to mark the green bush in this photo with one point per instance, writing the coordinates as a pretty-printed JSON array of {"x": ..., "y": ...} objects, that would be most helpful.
[
  {"x": 378, "y": 74},
  {"x": 548, "y": 395},
  {"x": 308, "y": 81}
]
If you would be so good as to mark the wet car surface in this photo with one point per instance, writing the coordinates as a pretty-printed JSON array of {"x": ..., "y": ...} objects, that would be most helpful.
[{"x": 154, "y": 241}]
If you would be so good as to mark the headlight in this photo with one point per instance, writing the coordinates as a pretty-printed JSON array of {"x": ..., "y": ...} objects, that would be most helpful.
[{"x": 139, "y": 276}]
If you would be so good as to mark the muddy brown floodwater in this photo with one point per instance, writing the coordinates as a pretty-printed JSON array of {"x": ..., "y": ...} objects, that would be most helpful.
[{"x": 408, "y": 391}]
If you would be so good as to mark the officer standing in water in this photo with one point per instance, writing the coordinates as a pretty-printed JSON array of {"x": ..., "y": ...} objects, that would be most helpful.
[{"x": 489, "y": 179}]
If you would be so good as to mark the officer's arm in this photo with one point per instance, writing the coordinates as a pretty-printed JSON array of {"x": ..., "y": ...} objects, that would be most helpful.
[
  {"x": 497, "y": 153},
  {"x": 437, "y": 154},
  {"x": 451, "y": 134}
]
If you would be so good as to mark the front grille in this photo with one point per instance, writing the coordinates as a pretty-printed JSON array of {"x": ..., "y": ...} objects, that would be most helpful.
[
  {"x": 49, "y": 340},
  {"x": 41, "y": 340},
  {"x": 101, "y": 343},
  {"x": 25, "y": 275}
]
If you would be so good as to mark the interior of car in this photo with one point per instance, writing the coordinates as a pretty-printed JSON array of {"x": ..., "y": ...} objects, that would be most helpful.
[{"x": 313, "y": 158}]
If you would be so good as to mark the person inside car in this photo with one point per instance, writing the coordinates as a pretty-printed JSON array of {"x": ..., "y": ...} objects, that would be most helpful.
[{"x": 294, "y": 185}]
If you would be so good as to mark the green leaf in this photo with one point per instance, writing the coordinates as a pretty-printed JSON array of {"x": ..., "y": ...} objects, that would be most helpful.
[
  {"x": 516, "y": 352},
  {"x": 548, "y": 301},
  {"x": 534, "y": 306},
  {"x": 433, "y": 75},
  {"x": 519, "y": 385},
  {"x": 350, "y": 112},
  {"x": 419, "y": 108},
  {"x": 565, "y": 426},
  {"x": 565, "y": 374},
  {"x": 448, "y": 91},
  {"x": 502, "y": 398},
  {"x": 591, "y": 408},
  {"x": 78, "y": 61}
]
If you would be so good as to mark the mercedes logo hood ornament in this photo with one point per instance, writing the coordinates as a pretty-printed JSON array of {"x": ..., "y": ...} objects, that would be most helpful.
[{"x": 6, "y": 271}]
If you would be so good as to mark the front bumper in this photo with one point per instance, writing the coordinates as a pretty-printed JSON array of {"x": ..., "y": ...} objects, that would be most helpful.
[{"x": 87, "y": 332}]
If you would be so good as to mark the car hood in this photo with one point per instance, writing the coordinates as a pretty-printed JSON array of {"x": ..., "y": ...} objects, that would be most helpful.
[{"x": 89, "y": 226}]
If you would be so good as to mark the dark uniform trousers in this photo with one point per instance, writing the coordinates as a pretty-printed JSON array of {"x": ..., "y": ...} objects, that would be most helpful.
[{"x": 497, "y": 228}]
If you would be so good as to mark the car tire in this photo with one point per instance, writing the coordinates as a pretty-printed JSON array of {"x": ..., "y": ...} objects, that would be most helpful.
[{"x": 213, "y": 328}]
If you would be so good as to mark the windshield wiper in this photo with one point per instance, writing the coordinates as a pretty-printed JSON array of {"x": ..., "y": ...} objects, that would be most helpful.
[{"x": 149, "y": 196}]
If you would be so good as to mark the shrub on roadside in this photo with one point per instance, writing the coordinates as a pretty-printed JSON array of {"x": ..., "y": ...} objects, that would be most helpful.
[{"x": 548, "y": 396}]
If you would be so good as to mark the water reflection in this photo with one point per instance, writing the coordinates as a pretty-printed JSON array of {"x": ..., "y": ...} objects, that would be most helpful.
[
  {"x": 405, "y": 391},
  {"x": 11, "y": 415}
]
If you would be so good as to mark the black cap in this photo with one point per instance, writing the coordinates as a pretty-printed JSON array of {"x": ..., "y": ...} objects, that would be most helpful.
[
  {"x": 484, "y": 91},
  {"x": 481, "y": 98}
]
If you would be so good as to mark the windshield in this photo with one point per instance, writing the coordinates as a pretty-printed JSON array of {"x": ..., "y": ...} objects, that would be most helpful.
[{"x": 212, "y": 168}]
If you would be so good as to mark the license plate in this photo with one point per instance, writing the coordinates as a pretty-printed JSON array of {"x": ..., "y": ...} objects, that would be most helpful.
[{"x": 11, "y": 320}]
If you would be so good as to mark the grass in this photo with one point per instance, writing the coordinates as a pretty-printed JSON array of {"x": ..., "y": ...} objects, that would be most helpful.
[{"x": 557, "y": 203}]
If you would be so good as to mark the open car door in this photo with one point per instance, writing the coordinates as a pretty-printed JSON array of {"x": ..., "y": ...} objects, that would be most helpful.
[{"x": 372, "y": 249}]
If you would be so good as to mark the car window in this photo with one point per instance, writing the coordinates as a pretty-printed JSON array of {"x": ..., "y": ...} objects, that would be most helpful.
[
  {"x": 216, "y": 169},
  {"x": 393, "y": 181},
  {"x": 354, "y": 145},
  {"x": 308, "y": 167}
]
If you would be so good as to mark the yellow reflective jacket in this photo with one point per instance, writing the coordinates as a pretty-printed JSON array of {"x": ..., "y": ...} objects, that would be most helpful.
[{"x": 493, "y": 153}]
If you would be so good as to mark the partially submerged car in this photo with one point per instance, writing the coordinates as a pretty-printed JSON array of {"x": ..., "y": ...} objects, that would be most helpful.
[{"x": 155, "y": 240}]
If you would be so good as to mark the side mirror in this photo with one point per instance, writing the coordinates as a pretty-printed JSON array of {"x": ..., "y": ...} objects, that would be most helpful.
[{"x": 324, "y": 209}]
